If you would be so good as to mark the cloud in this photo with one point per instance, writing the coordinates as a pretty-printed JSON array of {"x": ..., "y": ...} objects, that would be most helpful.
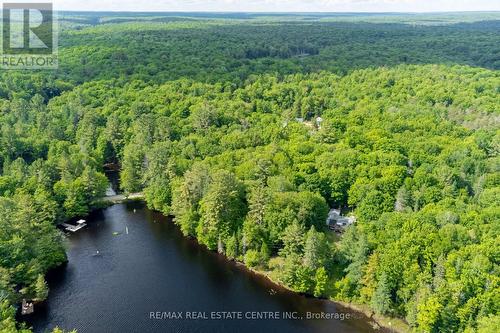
[{"x": 280, "y": 5}]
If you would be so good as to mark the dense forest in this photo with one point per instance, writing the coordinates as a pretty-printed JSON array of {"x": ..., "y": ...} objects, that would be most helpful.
[{"x": 248, "y": 130}]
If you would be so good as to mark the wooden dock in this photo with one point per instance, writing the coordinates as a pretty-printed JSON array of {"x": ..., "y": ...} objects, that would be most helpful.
[
  {"x": 119, "y": 198},
  {"x": 74, "y": 228},
  {"x": 27, "y": 307}
]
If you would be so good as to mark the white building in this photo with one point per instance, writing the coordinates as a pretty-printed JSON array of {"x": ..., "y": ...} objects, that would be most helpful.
[
  {"x": 319, "y": 120},
  {"x": 337, "y": 222}
]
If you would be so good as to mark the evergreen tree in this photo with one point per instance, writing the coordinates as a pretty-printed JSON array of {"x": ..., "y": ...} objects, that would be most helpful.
[
  {"x": 321, "y": 280},
  {"x": 381, "y": 300},
  {"x": 41, "y": 288}
]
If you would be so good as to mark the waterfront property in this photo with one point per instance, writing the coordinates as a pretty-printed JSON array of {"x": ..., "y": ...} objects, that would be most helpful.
[{"x": 155, "y": 268}]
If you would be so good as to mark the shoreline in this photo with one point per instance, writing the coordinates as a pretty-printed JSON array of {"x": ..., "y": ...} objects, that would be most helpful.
[{"x": 377, "y": 321}]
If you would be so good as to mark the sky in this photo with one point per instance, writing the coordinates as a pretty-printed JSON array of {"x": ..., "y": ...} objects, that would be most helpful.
[{"x": 280, "y": 5}]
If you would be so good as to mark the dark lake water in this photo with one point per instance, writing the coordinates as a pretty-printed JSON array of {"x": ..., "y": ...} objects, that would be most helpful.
[{"x": 154, "y": 268}]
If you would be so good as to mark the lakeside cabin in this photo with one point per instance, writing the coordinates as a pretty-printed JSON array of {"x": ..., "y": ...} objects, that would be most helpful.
[{"x": 338, "y": 223}]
